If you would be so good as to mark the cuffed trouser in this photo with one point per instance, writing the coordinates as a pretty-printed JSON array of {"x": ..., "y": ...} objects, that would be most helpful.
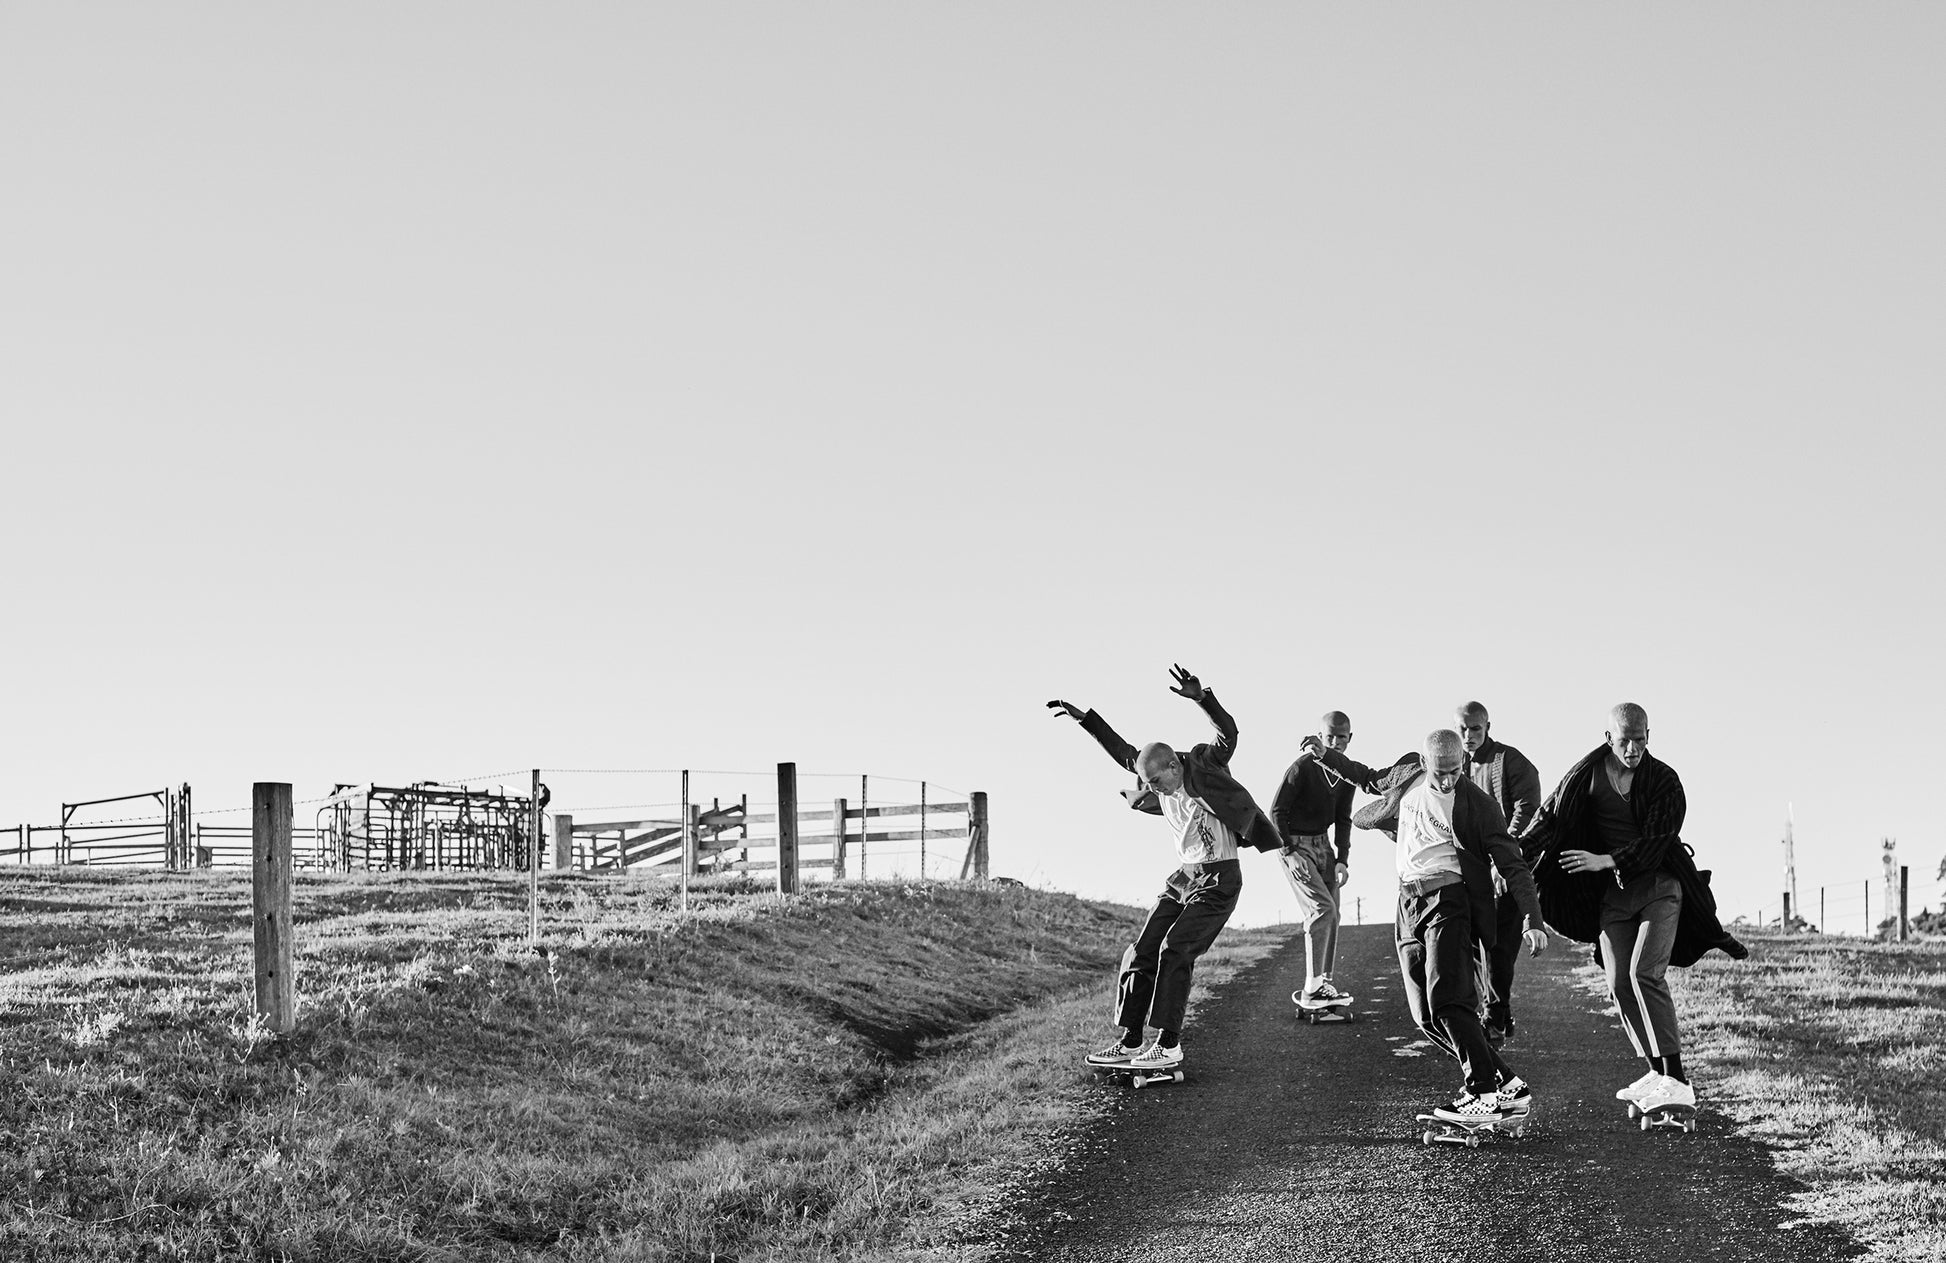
[
  {"x": 1312, "y": 867},
  {"x": 1497, "y": 962},
  {"x": 1437, "y": 961},
  {"x": 1192, "y": 909},
  {"x": 1638, "y": 929}
]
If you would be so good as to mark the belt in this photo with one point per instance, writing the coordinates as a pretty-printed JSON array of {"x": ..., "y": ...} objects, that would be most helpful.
[
  {"x": 1427, "y": 884},
  {"x": 1197, "y": 870}
]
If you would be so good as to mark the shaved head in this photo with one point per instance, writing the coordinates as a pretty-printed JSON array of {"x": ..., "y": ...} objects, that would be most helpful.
[
  {"x": 1628, "y": 734},
  {"x": 1159, "y": 768},
  {"x": 1334, "y": 729},
  {"x": 1445, "y": 756},
  {"x": 1473, "y": 710},
  {"x": 1473, "y": 726}
]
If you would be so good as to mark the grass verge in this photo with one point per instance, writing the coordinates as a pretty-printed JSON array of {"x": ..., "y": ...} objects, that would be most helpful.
[
  {"x": 842, "y": 1075},
  {"x": 1833, "y": 1052}
]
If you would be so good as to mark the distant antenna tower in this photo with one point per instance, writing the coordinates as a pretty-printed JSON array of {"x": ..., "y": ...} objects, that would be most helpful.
[{"x": 1790, "y": 858}]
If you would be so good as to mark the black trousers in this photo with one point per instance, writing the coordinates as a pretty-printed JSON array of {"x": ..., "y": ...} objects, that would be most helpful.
[
  {"x": 1497, "y": 962},
  {"x": 1195, "y": 904},
  {"x": 1437, "y": 961}
]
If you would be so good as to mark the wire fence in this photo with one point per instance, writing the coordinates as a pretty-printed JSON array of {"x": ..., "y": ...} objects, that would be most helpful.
[{"x": 1866, "y": 908}]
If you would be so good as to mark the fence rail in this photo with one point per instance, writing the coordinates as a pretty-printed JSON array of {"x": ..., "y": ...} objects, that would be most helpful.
[{"x": 437, "y": 826}]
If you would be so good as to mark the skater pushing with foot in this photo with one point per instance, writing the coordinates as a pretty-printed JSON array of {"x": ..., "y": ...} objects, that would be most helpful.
[{"x": 1210, "y": 814}]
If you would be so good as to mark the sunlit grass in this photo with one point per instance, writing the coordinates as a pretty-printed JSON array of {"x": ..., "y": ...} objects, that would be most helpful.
[
  {"x": 844, "y": 1074},
  {"x": 1830, "y": 1050}
]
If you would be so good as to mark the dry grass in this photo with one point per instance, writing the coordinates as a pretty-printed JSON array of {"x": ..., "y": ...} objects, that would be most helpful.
[
  {"x": 1834, "y": 1052},
  {"x": 842, "y": 1075}
]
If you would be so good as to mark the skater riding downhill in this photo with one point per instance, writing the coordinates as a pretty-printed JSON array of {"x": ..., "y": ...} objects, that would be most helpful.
[
  {"x": 1210, "y": 814},
  {"x": 1450, "y": 840}
]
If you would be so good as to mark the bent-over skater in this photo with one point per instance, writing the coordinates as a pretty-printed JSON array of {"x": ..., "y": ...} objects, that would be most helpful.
[
  {"x": 1210, "y": 813},
  {"x": 1451, "y": 839}
]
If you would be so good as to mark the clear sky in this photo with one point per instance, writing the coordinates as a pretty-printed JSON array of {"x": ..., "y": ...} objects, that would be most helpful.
[{"x": 407, "y": 391}]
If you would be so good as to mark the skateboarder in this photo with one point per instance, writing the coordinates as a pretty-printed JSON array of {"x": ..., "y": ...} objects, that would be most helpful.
[
  {"x": 1515, "y": 787},
  {"x": 1210, "y": 814},
  {"x": 1312, "y": 809},
  {"x": 1612, "y": 865},
  {"x": 1450, "y": 839}
]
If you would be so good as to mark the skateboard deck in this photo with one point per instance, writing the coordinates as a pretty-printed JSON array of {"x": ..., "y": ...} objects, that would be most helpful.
[
  {"x": 1469, "y": 1133},
  {"x": 1315, "y": 1011},
  {"x": 1139, "y": 1078},
  {"x": 1678, "y": 1117}
]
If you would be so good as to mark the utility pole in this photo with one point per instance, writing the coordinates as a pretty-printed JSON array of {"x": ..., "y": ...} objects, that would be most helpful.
[{"x": 1790, "y": 859}]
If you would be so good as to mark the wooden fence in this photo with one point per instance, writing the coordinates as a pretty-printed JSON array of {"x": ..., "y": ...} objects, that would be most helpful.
[{"x": 776, "y": 837}]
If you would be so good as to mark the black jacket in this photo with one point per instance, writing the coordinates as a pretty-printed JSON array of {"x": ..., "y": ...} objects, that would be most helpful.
[
  {"x": 1478, "y": 827},
  {"x": 1566, "y": 822},
  {"x": 1205, "y": 775}
]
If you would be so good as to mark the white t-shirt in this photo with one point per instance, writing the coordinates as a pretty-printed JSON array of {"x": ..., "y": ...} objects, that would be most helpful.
[
  {"x": 1200, "y": 837},
  {"x": 1426, "y": 841}
]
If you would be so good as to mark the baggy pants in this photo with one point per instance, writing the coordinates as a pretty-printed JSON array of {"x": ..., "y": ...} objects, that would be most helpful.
[
  {"x": 1312, "y": 867},
  {"x": 1638, "y": 929},
  {"x": 1497, "y": 962},
  {"x": 1157, "y": 968},
  {"x": 1437, "y": 962}
]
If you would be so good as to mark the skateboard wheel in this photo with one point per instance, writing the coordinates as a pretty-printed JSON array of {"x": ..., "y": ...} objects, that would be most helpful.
[
  {"x": 1645, "y": 1122},
  {"x": 1472, "y": 1141},
  {"x": 1425, "y": 1137},
  {"x": 1632, "y": 1111}
]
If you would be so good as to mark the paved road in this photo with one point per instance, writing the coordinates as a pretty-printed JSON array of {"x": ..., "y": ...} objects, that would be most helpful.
[{"x": 1295, "y": 1142}]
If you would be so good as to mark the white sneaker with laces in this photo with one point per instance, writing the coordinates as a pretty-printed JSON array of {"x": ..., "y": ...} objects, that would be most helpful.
[
  {"x": 1634, "y": 1090},
  {"x": 1156, "y": 1057}
]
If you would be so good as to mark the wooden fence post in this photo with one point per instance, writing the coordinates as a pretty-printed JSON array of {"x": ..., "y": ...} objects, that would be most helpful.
[
  {"x": 976, "y": 825},
  {"x": 563, "y": 841},
  {"x": 1823, "y": 926},
  {"x": 864, "y": 821},
  {"x": 534, "y": 859},
  {"x": 270, "y": 872},
  {"x": 787, "y": 828},
  {"x": 838, "y": 839},
  {"x": 1787, "y": 909}
]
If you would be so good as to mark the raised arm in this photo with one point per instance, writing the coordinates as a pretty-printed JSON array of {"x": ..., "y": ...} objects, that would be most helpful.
[
  {"x": 1187, "y": 685},
  {"x": 1095, "y": 726}
]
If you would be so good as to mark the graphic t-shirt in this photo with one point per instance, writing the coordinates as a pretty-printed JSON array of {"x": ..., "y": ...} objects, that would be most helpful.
[
  {"x": 1200, "y": 837},
  {"x": 1426, "y": 841}
]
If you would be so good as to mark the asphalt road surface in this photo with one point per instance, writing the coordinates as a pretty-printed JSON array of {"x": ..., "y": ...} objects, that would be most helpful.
[{"x": 1297, "y": 1142}]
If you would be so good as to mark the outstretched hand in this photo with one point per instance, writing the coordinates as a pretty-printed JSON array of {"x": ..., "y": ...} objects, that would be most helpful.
[
  {"x": 1186, "y": 685},
  {"x": 1066, "y": 708}
]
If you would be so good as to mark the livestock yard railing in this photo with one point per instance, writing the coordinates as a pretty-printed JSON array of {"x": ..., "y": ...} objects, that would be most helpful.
[{"x": 867, "y": 827}]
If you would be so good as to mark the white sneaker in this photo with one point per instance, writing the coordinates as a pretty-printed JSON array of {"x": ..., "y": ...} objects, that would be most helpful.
[
  {"x": 1156, "y": 1057},
  {"x": 1634, "y": 1091},
  {"x": 1666, "y": 1093}
]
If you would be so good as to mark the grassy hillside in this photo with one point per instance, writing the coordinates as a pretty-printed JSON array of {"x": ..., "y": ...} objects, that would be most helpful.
[
  {"x": 1833, "y": 1051},
  {"x": 837, "y": 1075}
]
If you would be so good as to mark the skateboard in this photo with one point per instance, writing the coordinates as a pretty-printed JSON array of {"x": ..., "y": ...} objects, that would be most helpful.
[
  {"x": 1469, "y": 1133},
  {"x": 1138, "y": 1078},
  {"x": 1315, "y": 1011},
  {"x": 1682, "y": 1117}
]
